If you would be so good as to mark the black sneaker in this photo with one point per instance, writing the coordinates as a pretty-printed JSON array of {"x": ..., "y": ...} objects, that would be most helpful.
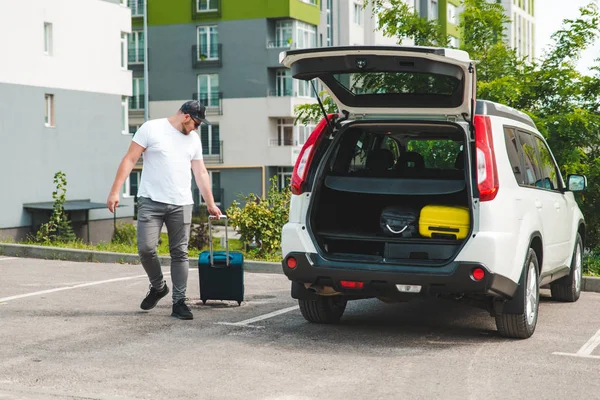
[
  {"x": 153, "y": 296},
  {"x": 181, "y": 310}
]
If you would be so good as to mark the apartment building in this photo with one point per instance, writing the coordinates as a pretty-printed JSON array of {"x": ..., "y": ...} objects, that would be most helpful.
[
  {"x": 64, "y": 88},
  {"x": 521, "y": 30},
  {"x": 226, "y": 54},
  {"x": 446, "y": 12}
]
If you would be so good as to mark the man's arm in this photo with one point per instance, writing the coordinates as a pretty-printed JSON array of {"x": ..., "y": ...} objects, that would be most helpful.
[
  {"x": 133, "y": 155},
  {"x": 203, "y": 181}
]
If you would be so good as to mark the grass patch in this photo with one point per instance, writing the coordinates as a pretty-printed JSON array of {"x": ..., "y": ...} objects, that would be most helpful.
[
  {"x": 591, "y": 263},
  {"x": 163, "y": 248}
]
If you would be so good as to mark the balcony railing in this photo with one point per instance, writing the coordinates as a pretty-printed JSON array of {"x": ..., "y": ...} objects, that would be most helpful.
[
  {"x": 283, "y": 142},
  {"x": 135, "y": 56},
  {"x": 283, "y": 93},
  {"x": 206, "y": 9},
  {"x": 212, "y": 102},
  {"x": 136, "y": 103},
  {"x": 137, "y": 8},
  {"x": 279, "y": 44},
  {"x": 214, "y": 153},
  {"x": 206, "y": 56}
]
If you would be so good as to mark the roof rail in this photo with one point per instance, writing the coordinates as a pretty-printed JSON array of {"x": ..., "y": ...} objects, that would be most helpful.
[{"x": 486, "y": 107}]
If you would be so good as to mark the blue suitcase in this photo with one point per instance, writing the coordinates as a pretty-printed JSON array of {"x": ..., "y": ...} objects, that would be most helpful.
[{"x": 221, "y": 273}]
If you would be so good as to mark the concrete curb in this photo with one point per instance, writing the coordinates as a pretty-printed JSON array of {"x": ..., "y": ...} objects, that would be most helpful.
[
  {"x": 590, "y": 284},
  {"x": 56, "y": 253}
]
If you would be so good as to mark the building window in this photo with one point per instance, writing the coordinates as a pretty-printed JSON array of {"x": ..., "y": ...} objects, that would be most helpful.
[
  {"x": 358, "y": 14},
  {"x": 132, "y": 184},
  {"x": 49, "y": 112},
  {"x": 433, "y": 9},
  {"x": 305, "y": 89},
  {"x": 137, "y": 8},
  {"x": 304, "y": 132},
  {"x": 283, "y": 33},
  {"x": 48, "y": 38},
  {"x": 207, "y": 5},
  {"x": 124, "y": 116},
  {"x": 284, "y": 83},
  {"x": 136, "y": 102},
  {"x": 136, "y": 47},
  {"x": 208, "y": 40},
  {"x": 208, "y": 90},
  {"x": 123, "y": 50},
  {"x": 210, "y": 139},
  {"x": 452, "y": 14},
  {"x": 454, "y": 42},
  {"x": 284, "y": 175},
  {"x": 306, "y": 35},
  {"x": 285, "y": 133},
  {"x": 215, "y": 179},
  {"x": 133, "y": 129}
]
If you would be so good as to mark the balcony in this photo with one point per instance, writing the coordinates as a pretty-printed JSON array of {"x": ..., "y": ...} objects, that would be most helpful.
[
  {"x": 135, "y": 56},
  {"x": 205, "y": 56},
  {"x": 136, "y": 103},
  {"x": 213, "y": 103},
  {"x": 281, "y": 103},
  {"x": 283, "y": 155},
  {"x": 214, "y": 153},
  {"x": 137, "y": 8},
  {"x": 206, "y": 9}
]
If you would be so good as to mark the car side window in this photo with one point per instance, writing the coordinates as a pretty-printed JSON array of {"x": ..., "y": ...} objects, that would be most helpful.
[
  {"x": 549, "y": 169},
  {"x": 512, "y": 149},
  {"x": 532, "y": 173}
]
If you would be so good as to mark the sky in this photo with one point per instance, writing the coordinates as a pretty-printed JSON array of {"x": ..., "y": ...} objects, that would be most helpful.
[{"x": 548, "y": 19}]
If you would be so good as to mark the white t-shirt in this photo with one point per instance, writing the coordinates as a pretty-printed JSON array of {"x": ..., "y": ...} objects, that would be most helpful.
[{"x": 166, "y": 174}]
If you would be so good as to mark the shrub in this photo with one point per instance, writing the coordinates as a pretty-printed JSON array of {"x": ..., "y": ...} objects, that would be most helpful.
[
  {"x": 198, "y": 236},
  {"x": 58, "y": 228},
  {"x": 262, "y": 220},
  {"x": 591, "y": 263},
  {"x": 126, "y": 234}
]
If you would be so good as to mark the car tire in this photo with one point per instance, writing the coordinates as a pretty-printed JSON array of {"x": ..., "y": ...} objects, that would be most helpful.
[
  {"x": 568, "y": 288},
  {"x": 522, "y": 326},
  {"x": 324, "y": 310}
]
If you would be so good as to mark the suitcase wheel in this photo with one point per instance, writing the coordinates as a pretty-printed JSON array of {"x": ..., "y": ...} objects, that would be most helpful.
[
  {"x": 203, "y": 302},
  {"x": 239, "y": 303}
]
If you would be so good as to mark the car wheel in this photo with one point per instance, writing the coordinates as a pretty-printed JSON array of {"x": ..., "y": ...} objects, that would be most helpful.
[
  {"x": 324, "y": 310},
  {"x": 522, "y": 326},
  {"x": 569, "y": 287}
]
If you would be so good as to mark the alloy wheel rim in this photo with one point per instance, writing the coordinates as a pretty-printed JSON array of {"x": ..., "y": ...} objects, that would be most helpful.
[{"x": 532, "y": 294}]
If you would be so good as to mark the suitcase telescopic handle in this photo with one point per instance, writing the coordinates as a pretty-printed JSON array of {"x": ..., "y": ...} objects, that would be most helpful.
[{"x": 210, "y": 239}]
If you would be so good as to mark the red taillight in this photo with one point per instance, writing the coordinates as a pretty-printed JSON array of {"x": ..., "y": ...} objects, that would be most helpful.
[
  {"x": 291, "y": 262},
  {"x": 352, "y": 284},
  {"x": 306, "y": 155},
  {"x": 487, "y": 172},
  {"x": 478, "y": 274}
]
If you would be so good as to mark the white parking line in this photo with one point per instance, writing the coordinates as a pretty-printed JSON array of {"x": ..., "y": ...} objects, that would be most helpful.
[
  {"x": 21, "y": 296},
  {"x": 587, "y": 349},
  {"x": 247, "y": 322}
]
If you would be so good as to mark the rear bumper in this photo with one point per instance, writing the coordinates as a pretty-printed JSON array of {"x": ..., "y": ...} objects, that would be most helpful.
[{"x": 380, "y": 279}]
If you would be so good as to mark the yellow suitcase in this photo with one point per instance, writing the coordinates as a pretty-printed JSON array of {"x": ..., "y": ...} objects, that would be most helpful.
[{"x": 447, "y": 222}]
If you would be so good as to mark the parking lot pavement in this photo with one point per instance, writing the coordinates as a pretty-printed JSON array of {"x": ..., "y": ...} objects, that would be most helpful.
[{"x": 74, "y": 330}]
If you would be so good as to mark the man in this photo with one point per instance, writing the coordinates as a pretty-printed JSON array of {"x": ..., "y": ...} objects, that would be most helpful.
[{"x": 171, "y": 147}]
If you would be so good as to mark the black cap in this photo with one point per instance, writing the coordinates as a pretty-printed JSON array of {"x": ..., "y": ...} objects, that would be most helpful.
[{"x": 195, "y": 109}]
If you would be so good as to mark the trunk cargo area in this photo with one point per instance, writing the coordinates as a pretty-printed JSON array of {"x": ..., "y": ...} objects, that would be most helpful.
[{"x": 412, "y": 165}]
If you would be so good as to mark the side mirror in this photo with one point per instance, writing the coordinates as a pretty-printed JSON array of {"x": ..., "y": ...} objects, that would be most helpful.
[{"x": 576, "y": 183}]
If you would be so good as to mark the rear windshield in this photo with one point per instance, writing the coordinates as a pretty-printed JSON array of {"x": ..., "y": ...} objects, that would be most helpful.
[
  {"x": 365, "y": 83},
  {"x": 394, "y": 155}
]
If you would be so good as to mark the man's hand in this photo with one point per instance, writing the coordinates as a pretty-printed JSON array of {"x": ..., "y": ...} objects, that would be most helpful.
[
  {"x": 214, "y": 211},
  {"x": 112, "y": 202}
]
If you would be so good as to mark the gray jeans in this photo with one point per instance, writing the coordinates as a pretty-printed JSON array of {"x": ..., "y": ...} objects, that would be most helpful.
[{"x": 151, "y": 216}]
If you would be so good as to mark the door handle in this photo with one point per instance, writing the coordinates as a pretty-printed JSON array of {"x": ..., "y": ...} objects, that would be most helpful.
[{"x": 539, "y": 204}]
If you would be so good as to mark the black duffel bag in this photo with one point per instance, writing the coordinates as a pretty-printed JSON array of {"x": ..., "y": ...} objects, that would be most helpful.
[{"x": 399, "y": 221}]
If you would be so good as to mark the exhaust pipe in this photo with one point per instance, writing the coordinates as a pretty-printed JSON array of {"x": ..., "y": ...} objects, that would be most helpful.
[{"x": 322, "y": 290}]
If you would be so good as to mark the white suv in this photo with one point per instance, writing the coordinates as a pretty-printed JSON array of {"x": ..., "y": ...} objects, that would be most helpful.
[{"x": 411, "y": 134}]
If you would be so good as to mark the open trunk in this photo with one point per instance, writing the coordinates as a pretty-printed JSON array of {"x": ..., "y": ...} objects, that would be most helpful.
[{"x": 370, "y": 166}]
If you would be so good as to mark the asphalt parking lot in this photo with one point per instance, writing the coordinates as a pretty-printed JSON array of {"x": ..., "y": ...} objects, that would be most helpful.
[{"x": 75, "y": 331}]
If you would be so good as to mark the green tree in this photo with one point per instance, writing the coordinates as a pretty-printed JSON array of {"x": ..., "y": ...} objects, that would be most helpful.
[{"x": 58, "y": 228}]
